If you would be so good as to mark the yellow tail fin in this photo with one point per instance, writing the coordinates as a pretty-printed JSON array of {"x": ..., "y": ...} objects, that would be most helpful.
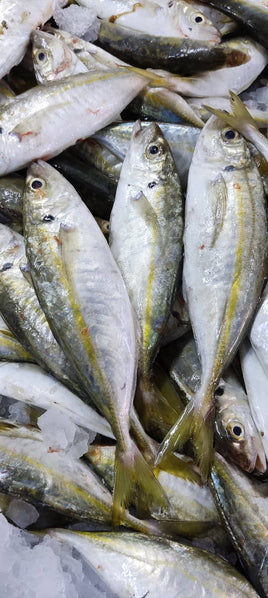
[
  {"x": 192, "y": 424},
  {"x": 133, "y": 473},
  {"x": 239, "y": 118}
]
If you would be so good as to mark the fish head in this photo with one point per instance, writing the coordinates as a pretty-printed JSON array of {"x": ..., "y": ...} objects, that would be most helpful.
[
  {"x": 11, "y": 248},
  {"x": 194, "y": 24},
  {"x": 41, "y": 182},
  {"x": 236, "y": 434},
  {"x": 52, "y": 58},
  {"x": 222, "y": 145},
  {"x": 149, "y": 151}
]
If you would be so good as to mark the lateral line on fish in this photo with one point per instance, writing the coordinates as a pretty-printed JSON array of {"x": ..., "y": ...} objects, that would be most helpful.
[
  {"x": 232, "y": 301},
  {"x": 81, "y": 325},
  {"x": 78, "y": 490},
  {"x": 150, "y": 286}
]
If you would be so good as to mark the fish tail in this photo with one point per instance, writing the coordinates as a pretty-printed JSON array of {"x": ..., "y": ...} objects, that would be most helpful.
[
  {"x": 192, "y": 424},
  {"x": 180, "y": 432},
  {"x": 154, "y": 80},
  {"x": 239, "y": 118},
  {"x": 202, "y": 436},
  {"x": 133, "y": 473}
]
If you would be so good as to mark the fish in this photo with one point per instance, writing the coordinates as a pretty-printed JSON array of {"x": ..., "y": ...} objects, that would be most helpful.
[
  {"x": 17, "y": 22},
  {"x": 11, "y": 198},
  {"x": 6, "y": 93},
  {"x": 88, "y": 292},
  {"x": 224, "y": 209},
  {"x": 21, "y": 310},
  {"x": 29, "y": 122},
  {"x": 52, "y": 58},
  {"x": 242, "y": 504},
  {"x": 236, "y": 435},
  {"x": 258, "y": 334},
  {"x": 223, "y": 22},
  {"x": 62, "y": 59},
  {"x": 203, "y": 107},
  {"x": 188, "y": 500},
  {"x": 256, "y": 383},
  {"x": 29, "y": 383},
  {"x": 148, "y": 212},
  {"x": 236, "y": 76},
  {"x": 96, "y": 189},
  {"x": 55, "y": 479},
  {"x": 244, "y": 123},
  {"x": 252, "y": 14},
  {"x": 176, "y": 19},
  {"x": 181, "y": 56},
  {"x": 155, "y": 567},
  {"x": 10, "y": 348},
  {"x": 181, "y": 139}
]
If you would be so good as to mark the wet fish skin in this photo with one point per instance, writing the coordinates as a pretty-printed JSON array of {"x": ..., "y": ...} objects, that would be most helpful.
[
  {"x": 241, "y": 118},
  {"x": 149, "y": 203},
  {"x": 184, "y": 57},
  {"x": 181, "y": 139},
  {"x": 156, "y": 567},
  {"x": 33, "y": 125},
  {"x": 253, "y": 14},
  {"x": 217, "y": 81},
  {"x": 56, "y": 480},
  {"x": 97, "y": 191},
  {"x": 52, "y": 58},
  {"x": 22, "y": 312},
  {"x": 236, "y": 435},
  {"x": 224, "y": 181},
  {"x": 68, "y": 56},
  {"x": 97, "y": 333},
  {"x": 10, "y": 348},
  {"x": 242, "y": 503}
]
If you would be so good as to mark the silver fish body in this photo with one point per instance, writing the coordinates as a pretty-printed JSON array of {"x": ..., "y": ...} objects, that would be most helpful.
[
  {"x": 34, "y": 125},
  {"x": 86, "y": 302},
  {"x": 148, "y": 213},
  {"x": 133, "y": 565},
  {"x": 225, "y": 252},
  {"x": 242, "y": 503}
]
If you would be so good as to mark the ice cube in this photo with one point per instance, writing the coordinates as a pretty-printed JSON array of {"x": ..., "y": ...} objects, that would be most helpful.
[
  {"x": 61, "y": 434},
  {"x": 78, "y": 20},
  {"x": 22, "y": 513}
]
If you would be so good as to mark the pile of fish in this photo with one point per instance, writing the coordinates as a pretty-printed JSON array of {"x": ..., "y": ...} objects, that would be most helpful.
[{"x": 133, "y": 295}]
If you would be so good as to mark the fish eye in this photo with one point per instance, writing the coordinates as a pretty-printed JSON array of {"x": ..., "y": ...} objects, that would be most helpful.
[
  {"x": 48, "y": 218},
  {"x": 154, "y": 149},
  {"x": 236, "y": 430},
  {"x": 170, "y": 4},
  {"x": 41, "y": 56},
  {"x": 37, "y": 184},
  {"x": 152, "y": 184},
  {"x": 199, "y": 19},
  {"x": 219, "y": 391},
  {"x": 230, "y": 135}
]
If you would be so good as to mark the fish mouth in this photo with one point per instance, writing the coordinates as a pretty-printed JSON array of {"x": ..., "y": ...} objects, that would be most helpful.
[{"x": 256, "y": 458}]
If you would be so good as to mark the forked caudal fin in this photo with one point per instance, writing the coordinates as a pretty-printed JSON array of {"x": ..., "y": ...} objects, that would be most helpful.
[
  {"x": 132, "y": 473},
  {"x": 239, "y": 119},
  {"x": 192, "y": 424}
]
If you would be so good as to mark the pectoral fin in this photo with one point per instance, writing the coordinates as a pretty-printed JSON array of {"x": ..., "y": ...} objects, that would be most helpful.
[{"x": 218, "y": 193}]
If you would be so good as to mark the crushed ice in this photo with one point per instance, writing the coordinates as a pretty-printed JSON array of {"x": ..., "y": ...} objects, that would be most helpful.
[
  {"x": 60, "y": 433},
  {"x": 78, "y": 20}
]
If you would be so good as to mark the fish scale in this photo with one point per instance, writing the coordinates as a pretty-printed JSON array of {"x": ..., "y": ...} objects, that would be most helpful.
[{"x": 225, "y": 252}]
